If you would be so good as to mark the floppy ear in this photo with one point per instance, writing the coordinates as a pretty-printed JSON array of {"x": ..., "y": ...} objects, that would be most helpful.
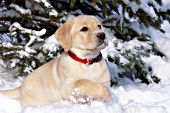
[{"x": 63, "y": 35}]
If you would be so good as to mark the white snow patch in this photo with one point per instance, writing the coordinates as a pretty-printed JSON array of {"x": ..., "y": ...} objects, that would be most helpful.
[
  {"x": 160, "y": 68},
  {"x": 160, "y": 65},
  {"x": 166, "y": 27},
  {"x": 144, "y": 99},
  {"x": 166, "y": 5},
  {"x": 45, "y": 2},
  {"x": 53, "y": 13},
  {"x": 95, "y": 107},
  {"x": 154, "y": 98},
  {"x": 13, "y": 64},
  {"x": 28, "y": 69},
  {"x": 33, "y": 35},
  {"x": 20, "y": 9},
  {"x": 9, "y": 106},
  {"x": 16, "y": 26},
  {"x": 51, "y": 43},
  {"x": 136, "y": 27}
]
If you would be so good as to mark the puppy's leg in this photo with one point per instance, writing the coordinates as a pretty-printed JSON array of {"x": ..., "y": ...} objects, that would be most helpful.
[
  {"x": 32, "y": 98},
  {"x": 92, "y": 89}
]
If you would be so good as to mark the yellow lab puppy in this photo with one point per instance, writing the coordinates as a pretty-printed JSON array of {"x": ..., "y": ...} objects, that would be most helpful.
[{"x": 80, "y": 66}]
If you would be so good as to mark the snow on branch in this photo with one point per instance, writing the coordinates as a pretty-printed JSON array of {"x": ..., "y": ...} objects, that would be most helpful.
[
  {"x": 9, "y": 47},
  {"x": 44, "y": 2},
  {"x": 33, "y": 34},
  {"x": 16, "y": 26},
  {"x": 13, "y": 14},
  {"x": 20, "y": 9},
  {"x": 20, "y": 13},
  {"x": 41, "y": 5}
]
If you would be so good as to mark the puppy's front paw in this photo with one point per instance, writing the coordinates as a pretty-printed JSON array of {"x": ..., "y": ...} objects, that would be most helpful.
[
  {"x": 93, "y": 89},
  {"x": 77, "y": 98},
  {"x": 105, "y": 94}
]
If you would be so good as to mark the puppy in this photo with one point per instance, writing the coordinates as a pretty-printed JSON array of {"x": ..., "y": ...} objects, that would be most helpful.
[{"x": 80, "y": 66}]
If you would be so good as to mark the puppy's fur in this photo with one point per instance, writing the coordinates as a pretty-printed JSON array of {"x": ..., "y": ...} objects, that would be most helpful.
[{"x": 56, "y": 80}]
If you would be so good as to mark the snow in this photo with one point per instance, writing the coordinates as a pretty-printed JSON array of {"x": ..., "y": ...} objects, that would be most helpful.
[
  {"x": 33, "y": 35},
  {"x": 13, "y": 64},
  {"x": 35, "y": 7},
  {"x": 23, "y": 54},
  {"x": 53, "y": 12},
  {"x": 50, "y": 44},
  {"x": 68, "y": 108},
  {"x": 166, "y": 5},
  {"x": 154, "y": 98},
  {"x": 28, "y": 69},
  {"x": 161, "y": 65},
  {"x": 45, "y": 2},
  {"x": 156, "y": 62},
  {"x": 38, "y": 7},
  {"x": 144, "y": 99},
  {"x": 16, "y": 26},
  {"x": 143, "y": 5},
  {"x": 6, "y": 80},
  {"x": 20, "y": 9},
  {"x": 136, "y": 27},
  {"x": 126, "y": 99},
  {"x": 166, "y": 27},
  {"x": 6, "y": 38},
  {"x": 9, "y": 106}
]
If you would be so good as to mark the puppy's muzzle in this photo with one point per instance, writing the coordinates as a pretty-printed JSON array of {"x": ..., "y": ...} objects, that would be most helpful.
[{"x": 101, "y": 35}]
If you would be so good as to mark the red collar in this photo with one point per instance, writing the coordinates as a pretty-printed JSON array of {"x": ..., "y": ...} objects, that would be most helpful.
[{"x": 85, "y": 61}]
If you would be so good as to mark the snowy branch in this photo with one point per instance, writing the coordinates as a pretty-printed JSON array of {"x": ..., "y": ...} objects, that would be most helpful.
[
  {"x": 40, "y": 6},
  {"x": 5, "y": 47},
  {"x": 20, "y": 10},
  {"x": 11, "y": 14},
  {"x": 33, "y": 35},
  {"x": 16, "y": 26}
]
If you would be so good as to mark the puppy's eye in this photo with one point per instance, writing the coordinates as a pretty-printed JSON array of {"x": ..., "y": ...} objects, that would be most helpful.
[
  {"x": 84, "y": 29},
  {"x": 99, "y": 26}
]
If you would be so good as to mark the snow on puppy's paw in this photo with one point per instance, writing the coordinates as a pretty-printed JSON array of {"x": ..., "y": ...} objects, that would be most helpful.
[
  {"x": 92, "y": 89},
  {"x": 77, "y": 98}
]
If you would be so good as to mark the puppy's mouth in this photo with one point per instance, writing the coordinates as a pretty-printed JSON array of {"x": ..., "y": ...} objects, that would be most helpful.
[{"x": 99, "y": 47}]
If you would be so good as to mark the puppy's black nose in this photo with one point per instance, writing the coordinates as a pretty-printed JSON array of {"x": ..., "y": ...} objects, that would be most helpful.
[{"x": 101, "y": 35}]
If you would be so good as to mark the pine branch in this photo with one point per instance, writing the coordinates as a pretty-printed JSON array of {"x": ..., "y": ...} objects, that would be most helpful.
[
  {"x": 10, "y": 48},
  {"x": 19, "y": 15}
]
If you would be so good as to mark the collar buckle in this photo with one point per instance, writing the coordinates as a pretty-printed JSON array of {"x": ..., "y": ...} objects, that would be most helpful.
[{"x": 90, "y": 61}]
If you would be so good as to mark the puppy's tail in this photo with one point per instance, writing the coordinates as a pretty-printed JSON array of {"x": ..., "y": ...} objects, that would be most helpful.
[{"x": 12, "y": 93}]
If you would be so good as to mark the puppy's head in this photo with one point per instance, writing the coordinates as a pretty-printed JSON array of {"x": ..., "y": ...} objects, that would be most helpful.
[{"x": 83, "y": 32}]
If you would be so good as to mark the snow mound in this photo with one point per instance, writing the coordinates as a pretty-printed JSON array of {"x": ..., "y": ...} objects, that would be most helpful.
[
  {"x": 9, "y": 106},
  {"x": 126, "y": 99},
  {"x": 144, "y": 99},
  {"x": 12, "y": 106},
  {"x": 95, "y": 107}
]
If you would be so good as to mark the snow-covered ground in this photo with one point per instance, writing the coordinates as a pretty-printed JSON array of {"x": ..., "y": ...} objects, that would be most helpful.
[{"x": 126, "y": 99}]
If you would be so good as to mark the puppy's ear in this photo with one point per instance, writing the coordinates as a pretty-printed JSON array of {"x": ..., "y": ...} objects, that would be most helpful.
[{"x": 63, "y": 35}]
